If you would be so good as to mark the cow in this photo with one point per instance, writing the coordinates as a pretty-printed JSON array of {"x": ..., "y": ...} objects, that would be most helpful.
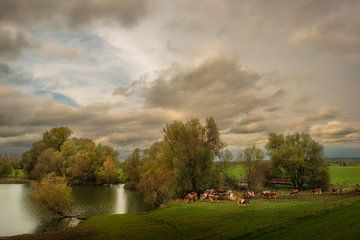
[
  {"x": 316, "y": 191},
  {"x": 336, "y": 190},
  {"x": 204, "y": 196},
  {"x": 190, "y": 197},
  {"x": 250, "y": 195},
  {"x": 242, "y": 201},
  {"x": 215, "y": 197},
  {"x": 264, "y": 193},
  {"x": 232, "y": 197},
  {"x": 294, "y": 192},
  {"x": 269, "y": 194}
]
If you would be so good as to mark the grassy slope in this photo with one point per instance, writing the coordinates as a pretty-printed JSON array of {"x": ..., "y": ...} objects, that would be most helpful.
[
  {"x": 226, "y": 220},
  {"x": 341, "y": 223}
]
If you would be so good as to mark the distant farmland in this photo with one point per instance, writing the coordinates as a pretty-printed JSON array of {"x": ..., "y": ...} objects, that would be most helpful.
[
  {"x": 344, "y": 175},
  {"x": 339, "y": 175}
]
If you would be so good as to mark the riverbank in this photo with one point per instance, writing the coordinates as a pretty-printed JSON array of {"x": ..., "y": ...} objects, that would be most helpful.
[
  {"x": 328, "y": 216},
  {"x": 14, "y": 181},
  {"x": 68, "y": 234}
]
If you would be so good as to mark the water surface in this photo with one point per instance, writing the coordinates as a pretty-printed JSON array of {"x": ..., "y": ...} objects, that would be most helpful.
[{"x": 18, "y": 215}]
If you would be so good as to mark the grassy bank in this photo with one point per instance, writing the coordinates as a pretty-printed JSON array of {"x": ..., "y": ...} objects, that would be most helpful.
[
  {"x": 14, "y": 181},
  {"x": 320, "y": 217},
  {"x": 328, "y": 216}
]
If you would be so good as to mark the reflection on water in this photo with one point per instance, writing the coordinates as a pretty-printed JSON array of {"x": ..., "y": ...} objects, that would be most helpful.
[{"x": 18, "y": 215}]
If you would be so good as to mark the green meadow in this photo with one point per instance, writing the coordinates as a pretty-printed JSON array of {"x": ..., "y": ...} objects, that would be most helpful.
[
  {"x": 339, "y": 175},
  {"x": 345, "y": 175},
  {"x": 312, "y": 217}
]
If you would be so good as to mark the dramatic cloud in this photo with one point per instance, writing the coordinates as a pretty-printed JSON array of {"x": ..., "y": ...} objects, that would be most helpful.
[
  {"x": 217, "y": 87},
  {"x": 336, "y": 31},
  {"x": 12, "y": 41},
  {"x": 72, "y": 13},
  {"x": 336, "y": 131},
  {"x": 117, "y": 71}
]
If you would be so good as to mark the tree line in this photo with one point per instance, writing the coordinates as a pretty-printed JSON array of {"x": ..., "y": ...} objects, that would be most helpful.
[
  {"x": 191, "y": 157},
  {"x": 80, "y": 160},
  {"x": 8, "y": 163}
]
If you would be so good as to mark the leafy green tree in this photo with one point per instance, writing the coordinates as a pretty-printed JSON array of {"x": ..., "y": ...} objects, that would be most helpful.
[
  {"x": 156, "y": 177},
  {"x": 81, "y": 168},
  {"x": 252, "y": 158},
  {"x": 132, "y": 168},
  {"x": 108, "y": 172},
  {"x": 56, "y": 137},
  {"x": 193, "y": 148},
  {"x": 49, "y": 161},
  {"x": 6, "y": 167},
  {"x": 301, "y": 157},
  {"x": 50, "y": 139},
  {"x": 221, "y": 176},
  {"x": 182, "y": 162},
  {"x": 53, "y": 194},
  {"x": 79, "y": 159}
]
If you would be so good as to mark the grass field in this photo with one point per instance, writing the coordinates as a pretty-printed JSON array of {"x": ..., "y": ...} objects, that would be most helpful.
[
  {"x": 339, "y": 175},
  {"x": 236, "y": 172},
  {"x": 344, "y": 175},
  {"x": 18, "y": 173},
  {"x": 311, "y": 217}
]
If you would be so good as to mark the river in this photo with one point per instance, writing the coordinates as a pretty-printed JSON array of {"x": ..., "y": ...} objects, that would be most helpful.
[{"x": 18, "y": 215}]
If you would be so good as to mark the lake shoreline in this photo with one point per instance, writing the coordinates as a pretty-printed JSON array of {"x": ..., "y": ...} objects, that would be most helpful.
[
  {"x": 309, "y": 212},
  {"x": 15, "y": 181},
  {"x": 65, "y": 234},
  {"x": 89, "y": 200}
]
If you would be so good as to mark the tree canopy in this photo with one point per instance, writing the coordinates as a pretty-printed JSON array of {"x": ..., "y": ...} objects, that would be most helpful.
[
  {"x": 53, "y": 194},
  {"x": 301, "y": 157},
  {"x": 81, "y": 160},
  {"x": 252, "y": 158},
  {"x": 181, "y": 162}
]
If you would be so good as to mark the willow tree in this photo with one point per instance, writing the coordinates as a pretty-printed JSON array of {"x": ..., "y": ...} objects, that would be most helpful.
[
  {"x": 252, "y": 158},
  {"x": 301, "y": 157},
  {"x": 192, "y": 149},
  {"x": 53, "y": 194}
]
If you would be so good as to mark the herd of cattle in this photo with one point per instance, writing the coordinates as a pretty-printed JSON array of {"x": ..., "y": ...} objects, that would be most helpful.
[
  {"x": 243, "y": 199},
  {"x": 213, "y": 195}
]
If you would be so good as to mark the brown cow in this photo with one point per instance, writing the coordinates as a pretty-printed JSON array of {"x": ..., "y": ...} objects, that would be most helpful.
[
  {"x": 190, "y": 197},
  {"x": 242, "y": 201},
  {"x": 263, "y": 193},
  {"x": 337, "y": 190},
  {"x": 316, "y": 191},
  {"x": 204, "y": 196},
  {"x": 250, "y": 195},
  {"x": 294, "y": 192},
  {"x": 269, "y": 194}
]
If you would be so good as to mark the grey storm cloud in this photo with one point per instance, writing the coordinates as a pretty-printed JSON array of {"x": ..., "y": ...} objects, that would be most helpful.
[
  {"x": 218, "y": 87},
  {"x": 17, "y": 17},
  {"x": 72, "y": 13},
  {"x": 12, "y": 41},
  {"x": 279, "y": 77},
  {"x": 23, "y": 118},
  {"x": 336, "y": 30},
  {"x": 4, "y": 68},
  {"x": 337, "y": 131}
]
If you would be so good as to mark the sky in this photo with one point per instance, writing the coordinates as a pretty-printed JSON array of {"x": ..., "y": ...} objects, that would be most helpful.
[{"x": 118, "y": 71}]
